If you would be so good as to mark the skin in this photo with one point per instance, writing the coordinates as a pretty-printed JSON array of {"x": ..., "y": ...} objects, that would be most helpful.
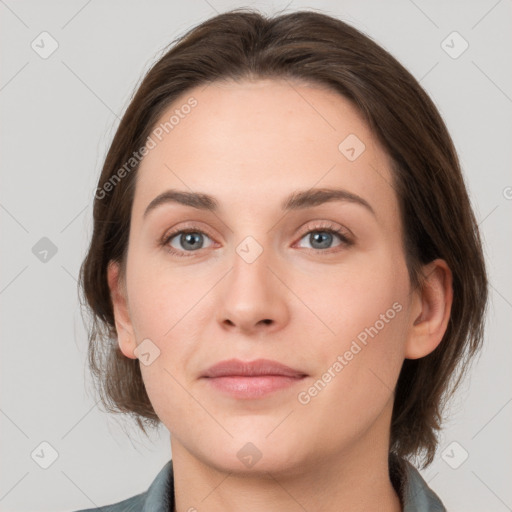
[{"x": 250, "y": 145}]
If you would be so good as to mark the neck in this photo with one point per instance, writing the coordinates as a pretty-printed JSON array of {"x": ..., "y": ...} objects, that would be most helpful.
[{"x": 355, "y": 479}]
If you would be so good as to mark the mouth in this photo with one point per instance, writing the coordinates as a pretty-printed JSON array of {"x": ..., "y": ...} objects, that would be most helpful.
[{"x": 253, "y": 379}]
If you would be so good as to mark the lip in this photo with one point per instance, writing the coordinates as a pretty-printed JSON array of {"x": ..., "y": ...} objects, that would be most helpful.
[
  {"x": 256, "y": 368},
  {"x": 251, "y": 379}
]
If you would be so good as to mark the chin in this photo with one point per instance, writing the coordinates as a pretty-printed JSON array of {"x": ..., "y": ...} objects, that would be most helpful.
[{"x": 255, "y": 454}]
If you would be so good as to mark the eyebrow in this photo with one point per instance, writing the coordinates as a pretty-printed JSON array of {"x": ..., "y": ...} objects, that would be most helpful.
[{"x": 298, "y": 200}]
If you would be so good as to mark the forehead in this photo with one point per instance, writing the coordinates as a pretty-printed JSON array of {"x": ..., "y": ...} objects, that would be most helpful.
[{"x": 244, "y": 141}]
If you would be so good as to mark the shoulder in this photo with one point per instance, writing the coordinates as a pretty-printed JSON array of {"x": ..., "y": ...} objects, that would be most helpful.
[
  {"x": 135, "y": 503},
  {"x": 158, "y": 498}
]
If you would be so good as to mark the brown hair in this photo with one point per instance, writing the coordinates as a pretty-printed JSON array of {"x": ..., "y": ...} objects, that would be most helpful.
[{"x": 436, "y": 213}]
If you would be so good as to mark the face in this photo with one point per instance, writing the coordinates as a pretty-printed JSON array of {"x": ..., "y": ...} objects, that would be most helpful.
[{"x": 321, "y": 286}]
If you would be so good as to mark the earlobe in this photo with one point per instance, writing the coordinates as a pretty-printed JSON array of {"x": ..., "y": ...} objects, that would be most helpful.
[
  {"x": 124, "y": 328},
  {"x": 431, "y": 310}
]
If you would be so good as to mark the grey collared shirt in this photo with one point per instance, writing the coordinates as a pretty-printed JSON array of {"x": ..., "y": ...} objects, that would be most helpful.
[{"x": 414, "y": 494}]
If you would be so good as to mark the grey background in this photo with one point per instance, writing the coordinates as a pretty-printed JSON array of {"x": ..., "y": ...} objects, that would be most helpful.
[{"x": 58, "y": 116}]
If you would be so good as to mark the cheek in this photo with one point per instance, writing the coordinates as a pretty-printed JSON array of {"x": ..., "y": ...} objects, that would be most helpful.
[
  {"x": 363, "y": 312},
  {"x": 164, "y": 309},
  {"x": 167, "y": 392},
  {"x": 159, "y": 299},
  {"x": 343, "y": 300},
  {"x": 356, "y": 380}
]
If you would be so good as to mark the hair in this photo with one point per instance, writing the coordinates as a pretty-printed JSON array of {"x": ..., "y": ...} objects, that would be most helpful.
[{"x": 435, "y": 210}]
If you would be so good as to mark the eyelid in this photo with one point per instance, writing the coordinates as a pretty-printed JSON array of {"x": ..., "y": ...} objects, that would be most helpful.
[
  {"x": 195, "y": 226},
  {"x": 327, "y": 225}
]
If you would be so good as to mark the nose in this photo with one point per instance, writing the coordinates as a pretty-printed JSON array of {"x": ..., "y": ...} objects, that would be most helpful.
[{"x": 252, "y": 298}]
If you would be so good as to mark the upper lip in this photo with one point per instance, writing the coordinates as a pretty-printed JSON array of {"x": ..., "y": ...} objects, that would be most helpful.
[{"x": 236, "y": 367}]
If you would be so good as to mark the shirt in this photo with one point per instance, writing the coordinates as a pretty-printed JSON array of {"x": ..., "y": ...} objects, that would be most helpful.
[{"x": 414, "y": 493}]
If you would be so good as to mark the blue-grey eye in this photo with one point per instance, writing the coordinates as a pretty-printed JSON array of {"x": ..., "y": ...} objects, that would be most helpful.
[
  {"x": 188, "y": 240},
  {"x": 323, "y": 238}
]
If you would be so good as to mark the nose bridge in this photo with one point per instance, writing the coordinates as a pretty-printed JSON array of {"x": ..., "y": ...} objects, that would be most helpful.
[
  {"x": 252, "y": 296},
  {"x": 249, "y": 278}
]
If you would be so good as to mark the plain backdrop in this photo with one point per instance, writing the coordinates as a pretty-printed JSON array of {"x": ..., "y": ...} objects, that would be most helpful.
[{"x": 58, "y": 115}]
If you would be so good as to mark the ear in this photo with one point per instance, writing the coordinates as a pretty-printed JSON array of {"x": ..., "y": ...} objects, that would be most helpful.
[
  {"x": 125, "y": 334},
  {"x": 431, "y": 309}
]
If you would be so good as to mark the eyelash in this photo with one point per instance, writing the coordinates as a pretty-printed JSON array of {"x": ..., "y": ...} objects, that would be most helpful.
[{"x": 323, "y": 228}]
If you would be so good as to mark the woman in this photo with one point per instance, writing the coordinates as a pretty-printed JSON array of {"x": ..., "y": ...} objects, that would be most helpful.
[{"x": 286, "y": 261}]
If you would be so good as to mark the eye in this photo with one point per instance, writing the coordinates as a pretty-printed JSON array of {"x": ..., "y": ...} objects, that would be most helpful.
[
  {"x": 185, "y": 240},
  {"x": 321, "y": 238}
]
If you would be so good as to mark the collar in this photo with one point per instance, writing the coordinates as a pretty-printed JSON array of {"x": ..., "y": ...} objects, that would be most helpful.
[{"x": 414, "y": 493}]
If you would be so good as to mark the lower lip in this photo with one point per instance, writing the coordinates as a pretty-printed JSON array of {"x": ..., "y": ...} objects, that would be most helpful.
[{"x": 252, "y": 387}]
